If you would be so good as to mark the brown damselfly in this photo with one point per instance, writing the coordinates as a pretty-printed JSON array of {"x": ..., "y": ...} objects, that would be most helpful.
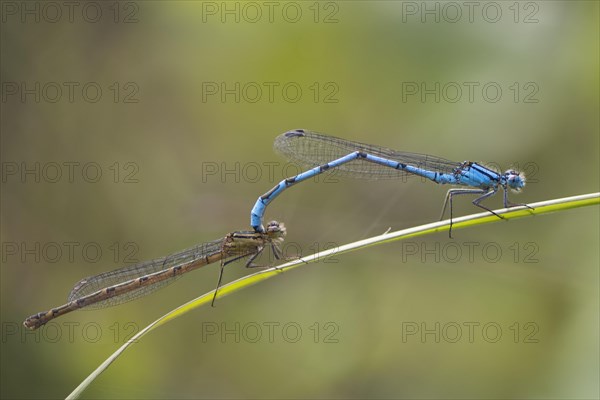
[{"x": 128, "y": 283}]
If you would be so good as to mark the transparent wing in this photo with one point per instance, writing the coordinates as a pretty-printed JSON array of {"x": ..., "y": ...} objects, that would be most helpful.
[
  {"x": 95, "y": 283},
  {"x": 311, "y": 149}
]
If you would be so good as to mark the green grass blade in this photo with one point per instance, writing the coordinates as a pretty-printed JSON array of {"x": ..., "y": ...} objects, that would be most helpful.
[{"x": 540, "y": 208}]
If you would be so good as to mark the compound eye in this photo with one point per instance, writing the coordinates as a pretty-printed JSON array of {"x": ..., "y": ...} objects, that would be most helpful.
[{"x": 515, "y": 180}]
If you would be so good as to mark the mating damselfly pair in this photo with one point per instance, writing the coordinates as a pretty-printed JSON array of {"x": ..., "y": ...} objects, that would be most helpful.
[{"x": 319, "y": 152}]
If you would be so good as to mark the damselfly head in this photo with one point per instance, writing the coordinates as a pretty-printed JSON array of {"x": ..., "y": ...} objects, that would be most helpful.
[
  {"x": 276, "y": 229},
  {"x": 515, "y": 180}
]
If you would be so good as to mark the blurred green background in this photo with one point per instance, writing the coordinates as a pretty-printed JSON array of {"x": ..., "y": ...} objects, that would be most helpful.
[{"x": 183, "y": 160}]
